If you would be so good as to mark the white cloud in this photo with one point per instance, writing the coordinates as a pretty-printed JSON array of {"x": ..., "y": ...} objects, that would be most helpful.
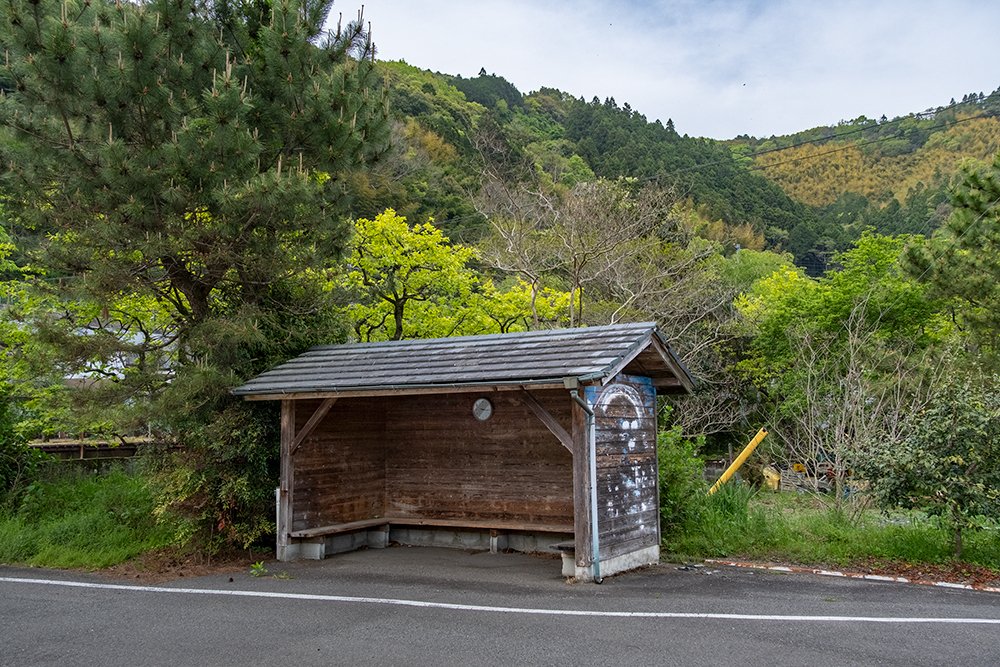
[{"x": 718, "y": 68}]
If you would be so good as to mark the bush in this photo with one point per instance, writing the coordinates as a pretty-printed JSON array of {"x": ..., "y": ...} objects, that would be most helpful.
[
  {"x": 222, "y": 482},
  {"x": 682, "y": 482},
  {"x": 19, "y": 462},
  {"x": 949, "y": 465}
]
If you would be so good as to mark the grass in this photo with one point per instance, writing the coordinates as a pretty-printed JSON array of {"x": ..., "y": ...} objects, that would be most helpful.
[
  {"x": 79, "y": 519},
  {"x": 802, "y": 528}
]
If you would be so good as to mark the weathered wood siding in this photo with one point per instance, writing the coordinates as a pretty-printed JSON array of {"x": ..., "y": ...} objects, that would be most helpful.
[
  {"x": 627, "y": 486},
  {"x": 339, "y": 470},
  {"x": 442, "y": 463}
]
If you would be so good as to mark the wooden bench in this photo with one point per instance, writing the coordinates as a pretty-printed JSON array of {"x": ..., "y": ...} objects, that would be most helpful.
[
  {"x": 338, "y": 528},
  {"x": 565, "y": 547},
  {"x": 351, "y": 526}
]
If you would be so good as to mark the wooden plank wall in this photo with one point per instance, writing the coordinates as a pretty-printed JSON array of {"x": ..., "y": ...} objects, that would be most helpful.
[
  {"x": 627, "y": 483},
  {"x": 442, "y": 463},
  {"x": 339, "y": 470}
]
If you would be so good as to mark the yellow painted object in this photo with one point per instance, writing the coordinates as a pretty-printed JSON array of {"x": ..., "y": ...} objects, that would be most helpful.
[
  {"x": 772, "y": 478},
  {"x": 740, "y": 460}
]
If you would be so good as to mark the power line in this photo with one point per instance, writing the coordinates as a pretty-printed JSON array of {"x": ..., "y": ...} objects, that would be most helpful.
[
  {"x": 854, "y": 145},
  {"x": 928, "y": 114},
  {"x": 806, "y": 143}
]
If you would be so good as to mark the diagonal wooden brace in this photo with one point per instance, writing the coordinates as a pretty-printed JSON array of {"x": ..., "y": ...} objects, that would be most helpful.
[{"x": 313, "y": 422}]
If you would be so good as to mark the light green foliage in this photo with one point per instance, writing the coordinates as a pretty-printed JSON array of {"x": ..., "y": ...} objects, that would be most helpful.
[
  {"x": 788, "y": 305},
  {"x": 841, "y": 361},
  {"x": 744, "y": 268},
  {"x": 681, "y": 479},
  {"x": 405, "y": 281},
  {"x": 557, "y": 164},
  {"x": 519, "y": 307},
  {"x": 55, "y": 344},
  {"x": 774, "y": 304},
  {"x": 949, "y": 465}
]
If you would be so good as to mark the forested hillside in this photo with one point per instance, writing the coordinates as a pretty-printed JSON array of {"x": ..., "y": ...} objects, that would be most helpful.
[
  {"x": 568, "y": 140},
  {"x": 811, "y": 194},
  {"x": 889, "y": 175},
  {"x": 820, "y": 173}
]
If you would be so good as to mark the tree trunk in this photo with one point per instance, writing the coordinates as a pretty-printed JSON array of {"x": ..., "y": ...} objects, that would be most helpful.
[
  {"x": 397, "y": 316},
  {"x": 957, "y": 535}
]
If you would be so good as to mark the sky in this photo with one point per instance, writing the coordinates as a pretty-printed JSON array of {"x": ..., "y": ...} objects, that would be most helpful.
[{"x": 717, "y": 68}]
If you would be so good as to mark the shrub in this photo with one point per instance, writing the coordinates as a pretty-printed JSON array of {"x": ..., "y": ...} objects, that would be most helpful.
[
  {"x": 949, "y": 466},
  {"x": 682, "y": 483},
  {"x": 19, "y": 462}
]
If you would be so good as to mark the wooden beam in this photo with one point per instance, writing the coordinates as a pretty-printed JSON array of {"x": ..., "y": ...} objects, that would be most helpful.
[
  {"x": 581, "y": 490},
  {"x": 546, "y": 418},
  {"x": 285, "y": 489},
  {"x": 473, "y": 524},
  {"x": 672, "y": 363},
  {"x": 402, "y": 391},
  {"x": 311, "y": 425}
]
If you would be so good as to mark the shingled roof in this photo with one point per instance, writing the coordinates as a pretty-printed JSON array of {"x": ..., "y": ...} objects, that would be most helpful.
[{"x": 528, "y": 359}]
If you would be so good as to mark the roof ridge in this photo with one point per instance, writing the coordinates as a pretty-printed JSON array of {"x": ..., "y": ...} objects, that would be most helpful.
[{"x": 506, "y": 336}]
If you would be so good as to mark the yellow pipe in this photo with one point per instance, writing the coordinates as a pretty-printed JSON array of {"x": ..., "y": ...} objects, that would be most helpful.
[{"x": 740, "y": 460}]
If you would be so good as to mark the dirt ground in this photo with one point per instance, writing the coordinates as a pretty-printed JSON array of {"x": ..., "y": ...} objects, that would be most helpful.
[
  {"x": 169, "y": 565},
  {"x": 956, "y": 573}
]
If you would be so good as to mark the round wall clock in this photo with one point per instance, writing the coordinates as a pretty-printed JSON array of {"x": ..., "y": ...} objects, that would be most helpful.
[{"x": 482, "y": 409}]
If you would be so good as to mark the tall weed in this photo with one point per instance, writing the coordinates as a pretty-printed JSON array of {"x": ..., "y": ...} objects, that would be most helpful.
[
  {"x": 82, "y": 519},
  {"x": 681, "y": 479},
  {"x": 736, "y": 522}
]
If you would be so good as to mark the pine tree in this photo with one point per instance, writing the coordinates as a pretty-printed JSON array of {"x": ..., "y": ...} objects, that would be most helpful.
[
  {"x": 192, "y": 152},
  {"x": 962, "y": 259}
]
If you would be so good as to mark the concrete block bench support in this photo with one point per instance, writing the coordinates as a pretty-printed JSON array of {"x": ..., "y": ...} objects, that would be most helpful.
[{"x": 322, "y": 541}]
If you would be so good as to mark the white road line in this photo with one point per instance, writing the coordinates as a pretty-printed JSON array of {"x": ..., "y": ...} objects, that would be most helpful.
[
  {"x": 851, "y": 575},
  {"x": 504, "y": 610}
]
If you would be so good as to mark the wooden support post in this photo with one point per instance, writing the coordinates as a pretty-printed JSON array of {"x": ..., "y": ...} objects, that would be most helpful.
[
  {"x": 285, "y": 488},
  {"x": 581, "y": 487}
]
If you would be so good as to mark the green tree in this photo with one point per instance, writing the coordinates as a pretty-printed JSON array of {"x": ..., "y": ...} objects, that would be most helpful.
[
  {"x": 949, "y": 465},
  {"x": 405, "y": 281},
  {"x": 842, "y": 361},
  {"x": 961, "y": 260},
  {"x": 192, "y": 153},
  {"x": 522, "y": 307}
]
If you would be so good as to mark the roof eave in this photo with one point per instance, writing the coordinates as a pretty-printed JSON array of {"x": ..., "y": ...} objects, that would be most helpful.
[
  {"x": 403, "y": 390},
  {"x": 674, "y": 363}
]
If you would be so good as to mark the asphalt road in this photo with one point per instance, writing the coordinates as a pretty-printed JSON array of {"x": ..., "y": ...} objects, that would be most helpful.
[{"x": 421, "y": 606}]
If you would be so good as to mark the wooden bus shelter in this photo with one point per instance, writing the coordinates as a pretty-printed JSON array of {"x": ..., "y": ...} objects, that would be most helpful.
[{"x": 525, "y": 441}]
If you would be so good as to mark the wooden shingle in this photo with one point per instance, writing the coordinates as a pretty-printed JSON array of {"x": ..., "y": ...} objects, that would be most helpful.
[{"x": 528, "y": 359}]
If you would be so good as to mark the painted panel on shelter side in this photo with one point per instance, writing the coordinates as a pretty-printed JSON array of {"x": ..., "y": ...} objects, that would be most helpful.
[{"x": 625, "y": 421}]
